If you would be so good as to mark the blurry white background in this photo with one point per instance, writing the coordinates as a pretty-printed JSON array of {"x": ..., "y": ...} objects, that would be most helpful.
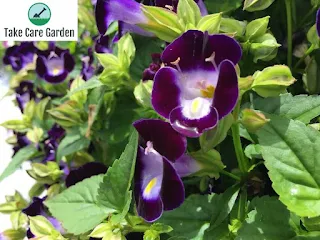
[{"x": 19, "y": 180}]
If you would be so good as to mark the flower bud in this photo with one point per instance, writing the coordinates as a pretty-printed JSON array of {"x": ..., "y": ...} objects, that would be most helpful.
[
  {"x": 272, "y": 81},
  {"x": 13, "y": 203},
  {"x": 41, "y": 227},
  {"x": 80, "y": 96},
  {"x": 264, "y": 48},
  {"x": 253, "y": 120},
  {"x": 142, "y": 92},
  {"x": 245, "y": 84},
  {"x": 311, "y": 78},
  {"x": 257, "y": 28},
  {"x": 47, "y": 173},
  {"x": 126, "y": 51},
  {"x": 232, "y": 26},
  {"x": 256, "y": 5},
  {"x": 35, "y": 134},
  {"x": 13, "y": 234}
]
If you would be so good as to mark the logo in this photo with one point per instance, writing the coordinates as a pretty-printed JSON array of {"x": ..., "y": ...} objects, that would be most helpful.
[{"x": 39, "y": 14}]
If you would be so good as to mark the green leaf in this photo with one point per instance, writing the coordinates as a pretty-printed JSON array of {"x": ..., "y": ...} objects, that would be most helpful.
[
  {"x": 21, "y": 156},
  {"x": 71, "y": 143},
  {"x": 253, "y": 151},
  {"x": 301, "y": 107},
  {"x": 77, "y": 206},
  {"x": 292, "y": 156},
  {"x": 269, "y": 221},
  {"x": 308, "y": 236},
  {"x": 90, "y": 84},
  {"x": 195, "y": 215},
  {"x": 119, "y": 176},
  {"x": 223, "y": 6},
  {"x": 220, "y": 232}
]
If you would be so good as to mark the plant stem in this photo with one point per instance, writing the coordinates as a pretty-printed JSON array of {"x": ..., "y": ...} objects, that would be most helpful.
[
  {"x": 289, "y": 28},
  {"x": 242, "y": 204},
  {"x": 140, "y": 228},
  {"x": 229, "y": 174},
  {"x": 307, "y": 53},
  {"x": 243, "y": 162}
]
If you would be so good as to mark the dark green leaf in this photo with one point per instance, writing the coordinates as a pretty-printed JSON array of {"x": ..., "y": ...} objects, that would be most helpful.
[
  {"x": 215, "y": 6},
  {"x": 21, "y": 156},
  {"x": 114, "y": 190},
  {"x": 77, "y": 207},
  {"x": 292, "y": 156}
]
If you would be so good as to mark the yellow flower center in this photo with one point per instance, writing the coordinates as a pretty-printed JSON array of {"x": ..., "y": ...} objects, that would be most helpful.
[
  {"x": 208, "y": 92},
  {"x": 56, "y": 70},
  {"x": 150, "y": 186}
]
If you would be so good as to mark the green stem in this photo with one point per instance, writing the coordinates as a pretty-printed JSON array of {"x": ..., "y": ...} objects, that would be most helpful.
[
  {"x": 289, "y": 28},
  {"x": 229, "y": 174},
  {"x": 243, "y": 162},
  {"x": 242, "y": 204},
  {"x": 140, "y": 228},
  {"x": 307, "y": 53}
]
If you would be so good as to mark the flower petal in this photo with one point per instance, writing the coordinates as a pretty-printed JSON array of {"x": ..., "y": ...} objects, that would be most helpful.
[
  {"x": 86, "y": 171},
  {"x": 56, "y": 79},
  {"x": 165, "y": 139},
  {"x": 193, "y": 127},
  {"x": 186, "y": 165},
  {"x": 172, "y": 194},
  {"x": 165, "y": 94},
  {"x": 148, "y": 182},
  {"x": 318, "y": 22},
  {"x": 41, "y": 67},
  {"x": 227, "y": 90},
  {"x": 69, "y": 62},
  {"x": 194, "y": 49},
  {"x": 202, "y": 8},
  {"x": 35, "y": 208},
  {"x": 107, "y": 11}
]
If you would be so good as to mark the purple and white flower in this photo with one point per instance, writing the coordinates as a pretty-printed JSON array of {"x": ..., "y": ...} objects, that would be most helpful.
[{"x": 199, "y": 85}]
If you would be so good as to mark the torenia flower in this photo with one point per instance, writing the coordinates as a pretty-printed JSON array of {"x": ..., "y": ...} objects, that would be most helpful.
[
  {"x": 54, "y": 64},
  {"x": 24, "y": 94},
  {"x": 199, "y": 85},
  {"x": 18, "y": 56},
  {"x": 88, "y": 68},
  {"x": 158, "y": 186}
]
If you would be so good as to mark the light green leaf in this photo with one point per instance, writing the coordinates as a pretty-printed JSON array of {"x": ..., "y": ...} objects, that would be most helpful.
[
  {"x": 21, "y": 156},
  {"x": 194, "y": 216},
  {"x": 119, "y": 176},
  {"x": 301, "y": 107},
  {"x": 71, "y": 144},
  {"x": 77, "y": 206},
  {"x": 269, "y": 221},
  {"x": 292, "y": 156}
]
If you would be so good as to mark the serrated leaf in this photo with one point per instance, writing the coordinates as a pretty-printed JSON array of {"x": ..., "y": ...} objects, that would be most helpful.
[
  {"x": 301, "y": 107},
  {"x": 292, "y": 156},
  {"x": 194, "y": 216},
  {"x": 269, "y": 221},
  {"x": 77, "y": 207},
  {"x": 21, "y": 156},
  {"x": 114, "y": 190}
]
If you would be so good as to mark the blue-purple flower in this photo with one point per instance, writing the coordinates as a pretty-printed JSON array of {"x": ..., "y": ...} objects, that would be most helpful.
[
  {"x": 199, "y": 85},
  {"x": 88, "y": 68},
  {"x": 18, "y": 56},
  {"x": 130, "y": 14},
  {"x": 318, "y": 22},
  {"x": 150, "y": 72},
  {"x": 103, "y": 44},
  {"x": 158, "y": 186},
  {"x": 51, "y": 143},
  {"x": 24, "y": 93},
  {"x": 54, "y": 64}
]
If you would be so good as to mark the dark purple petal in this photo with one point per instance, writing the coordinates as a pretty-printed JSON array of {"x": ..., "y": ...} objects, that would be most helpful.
[
  {"x": 30, "y": 234},
  {"x": 186, "y": 165},
  {"x": 172, "y": 194},
  {"x": 227, "y": 91},
  {"x": 318, "y": 22},
  {"x": 193, "y": 127},
  {"x": 56, "y": 132},
  {"x": 41, "y": 67},
  {"x": 86, "y": 171},
  {"x": 107, "y": 11},
  {"x": 102, "y": 44},
  {"x": 194, "y": 48},
  {"x": 35, "y": 208},
  {"x": 69, "y": 62},
  {"x": 150, "y": 72},
  {"x": 165, "y": 139},
  {"x": 149, "y": 166},
  {"x": 166, "y": 92},
  {"x": 202, "y": 8}
]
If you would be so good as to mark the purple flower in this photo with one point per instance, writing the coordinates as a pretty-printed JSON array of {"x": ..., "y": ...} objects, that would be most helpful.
[
  {"x": 150, "y": 72},
  {"x": 54, "y": 64},
  {"x": 22, "y": 141},
  {"x": 318, "y": 22},
  {"x": 24, "y": 93},
  {"x": 88, "y": 68},
  {"x": 103, "y": 44},
  {"x": 51, "y": 143},
  {"x": 19, "y": 56},
  {"x": 37, "y": 208},
  {"x": 199, "y": 85},
  {"x": 158, "y": 186},
  {"x": 86, "y": 171}
]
